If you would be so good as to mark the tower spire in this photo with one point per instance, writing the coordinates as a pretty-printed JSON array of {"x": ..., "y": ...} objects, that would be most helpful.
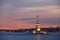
[
  {"x": 37, "y": 24},
  {"x": 37, "y": 21}
]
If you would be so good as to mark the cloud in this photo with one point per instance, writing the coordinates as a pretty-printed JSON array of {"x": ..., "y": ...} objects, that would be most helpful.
[
  {"x": 42, "y": 20},
  {"x": 30, "y": 8},
  {"x": 44, "y": 11}
]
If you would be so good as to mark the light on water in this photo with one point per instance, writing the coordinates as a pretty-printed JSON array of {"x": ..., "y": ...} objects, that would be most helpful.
[
  {"x": 37, "y": 37},
  {"x": 24, "y": 36},
  {"x": 22, "y": 7}
]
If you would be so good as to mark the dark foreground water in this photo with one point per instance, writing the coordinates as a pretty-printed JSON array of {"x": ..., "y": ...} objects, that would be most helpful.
[{"x": 24, "y": 36}]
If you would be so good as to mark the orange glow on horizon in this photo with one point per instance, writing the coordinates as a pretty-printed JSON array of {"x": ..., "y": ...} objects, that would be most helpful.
[{"x": 23, "y": 25}]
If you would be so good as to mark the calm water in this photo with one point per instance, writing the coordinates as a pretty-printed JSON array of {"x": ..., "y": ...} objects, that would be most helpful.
[{"x": 24, "y": 36}]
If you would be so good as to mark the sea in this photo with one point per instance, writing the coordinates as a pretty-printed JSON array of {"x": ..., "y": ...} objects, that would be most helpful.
[{"x": 29, "y": 36}]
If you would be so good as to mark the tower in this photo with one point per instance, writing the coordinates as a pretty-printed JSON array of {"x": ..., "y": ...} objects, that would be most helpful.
[{"x": 37, "y": 24}]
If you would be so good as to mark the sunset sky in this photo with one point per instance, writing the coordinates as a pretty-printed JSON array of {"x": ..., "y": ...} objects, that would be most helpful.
[{"x": 17, "y": 14}]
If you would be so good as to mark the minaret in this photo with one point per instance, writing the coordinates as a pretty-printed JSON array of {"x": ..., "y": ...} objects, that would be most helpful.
[{"x": 37, "y": 24}]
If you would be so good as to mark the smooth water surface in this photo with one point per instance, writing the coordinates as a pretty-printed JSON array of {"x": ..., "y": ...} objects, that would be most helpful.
[{"x": 24, "y": 36}]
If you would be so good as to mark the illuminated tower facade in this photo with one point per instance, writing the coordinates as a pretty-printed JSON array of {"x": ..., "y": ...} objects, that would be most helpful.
[{"x": 37, "y": 25}]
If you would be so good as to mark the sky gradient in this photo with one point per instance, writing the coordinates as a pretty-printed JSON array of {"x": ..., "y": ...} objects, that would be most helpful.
[{"x": 17, "y": 14}]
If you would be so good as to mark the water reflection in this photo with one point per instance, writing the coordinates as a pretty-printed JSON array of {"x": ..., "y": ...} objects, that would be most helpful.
[{"x": 37, "y": 37}]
